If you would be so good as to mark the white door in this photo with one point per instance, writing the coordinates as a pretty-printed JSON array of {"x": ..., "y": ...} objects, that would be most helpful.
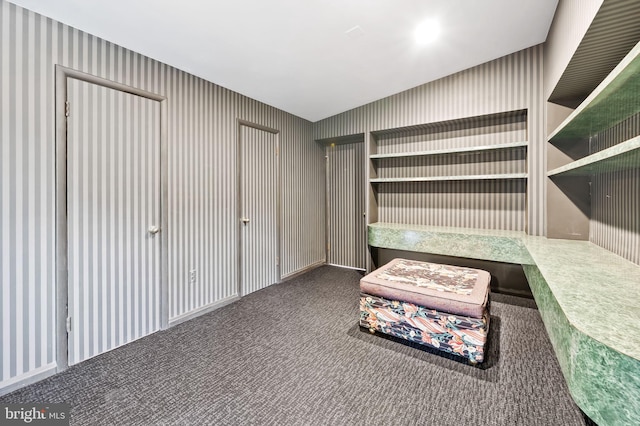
[
  {"x": 346, "y": 222},
  {"x": 258, "y": 208},
  {"x": 113, "y": 218}
]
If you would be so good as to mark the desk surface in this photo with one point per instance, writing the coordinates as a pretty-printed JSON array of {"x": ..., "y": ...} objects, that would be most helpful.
[{"x": 598, "y": 291}]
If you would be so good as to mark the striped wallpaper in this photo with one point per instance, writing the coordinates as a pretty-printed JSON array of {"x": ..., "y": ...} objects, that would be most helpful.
[
  {"x": 615, "y": 197},
  {"x": 346, "y": 223},
  {"x": 202, "y": 179},
  {"x": 611, "y": 35},
  {"x": 510, "y": 83},
  {"x": 478, "y": 163},
  {"x": 469, "y": 204},
  {"x": 570, "y": 23},
  {"x": 113, "y": 196},
  {"x": 259, "y": 204},
  {"x": 622, "y": 131},
  {"x": 481, "y": 131},
  {"x": 203, "y": 182},
  {"x": 615, "y": 213}
]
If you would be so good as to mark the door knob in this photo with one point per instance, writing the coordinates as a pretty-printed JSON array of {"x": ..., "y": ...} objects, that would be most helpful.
[
  {"x": 245, "y": 220},
  {"x": 153, "y": 229}
]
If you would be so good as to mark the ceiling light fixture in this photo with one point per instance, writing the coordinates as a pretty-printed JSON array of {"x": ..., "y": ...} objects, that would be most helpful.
[{"x": 427, "y": 31}]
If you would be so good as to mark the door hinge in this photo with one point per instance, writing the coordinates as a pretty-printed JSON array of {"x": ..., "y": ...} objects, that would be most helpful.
[
  {"x": 328, "y": 247},
  {"x": 66, "y": 108},
  {"x": 68, "y": 324},
  {"x": 277, "y": 261},
  {"x": 277, "y": 150}
]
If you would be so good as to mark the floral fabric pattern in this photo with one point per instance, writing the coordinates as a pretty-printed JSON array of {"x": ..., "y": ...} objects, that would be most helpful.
[
  {"x": 453, "y": 279},
  {"x": 456, "y": 334}
]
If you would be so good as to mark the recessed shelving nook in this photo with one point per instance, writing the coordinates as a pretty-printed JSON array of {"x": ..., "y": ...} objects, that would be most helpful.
[
  {"x": 589, "y": 150},
  {"x": 469, "y": 173}
]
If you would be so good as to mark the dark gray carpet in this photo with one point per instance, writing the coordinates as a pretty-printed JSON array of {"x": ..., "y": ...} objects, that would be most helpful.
[{"x": 293, "y": 354}]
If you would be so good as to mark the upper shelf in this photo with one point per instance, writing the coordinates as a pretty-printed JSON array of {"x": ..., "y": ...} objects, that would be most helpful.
[
  {"x": 615, "y": 99},
  {"x": 451, "y": 178},
  {"x": 451, "y": 151},
  {"x": 623, "y": 156},
  {"x": 515, "y": 116}
]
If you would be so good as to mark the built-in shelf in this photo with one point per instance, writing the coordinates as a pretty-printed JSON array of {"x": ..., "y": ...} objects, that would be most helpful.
[
  {"x": 623, "y": 156},
  {"x": 420, "y": 170},
  {"x": 462, "y": 151},
  {"x": 503, "y": 176},
  {"x": 615, "y": 99}
]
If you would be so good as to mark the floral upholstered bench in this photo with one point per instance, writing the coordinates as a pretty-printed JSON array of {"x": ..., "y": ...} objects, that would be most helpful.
[{"x": 441, "y": 306}]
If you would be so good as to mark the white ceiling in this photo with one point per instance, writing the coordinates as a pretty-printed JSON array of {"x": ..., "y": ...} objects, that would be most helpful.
[{"x": 296, "y": 55}]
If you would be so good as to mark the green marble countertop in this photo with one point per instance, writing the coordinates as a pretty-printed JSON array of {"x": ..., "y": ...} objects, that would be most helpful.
[
  {"x": 598, "y": 291},
  {"x": 623, "y": 156},
  {"x": 615, "y": 99},
  {"x": 485, "y": 244}
]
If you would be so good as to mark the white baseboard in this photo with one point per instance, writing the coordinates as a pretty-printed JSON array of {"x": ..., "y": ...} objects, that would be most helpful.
[
  {"x": 203, "y": 310},
  {"x": 9, "y": 385},
  {"x": 346, "y": 267},
  {"x": 302, "y": 271}
]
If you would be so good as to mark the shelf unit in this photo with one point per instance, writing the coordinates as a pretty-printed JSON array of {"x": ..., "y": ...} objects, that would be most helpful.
[
  {"x": 473, "y": 168},
  {"x": 592, "y": 187}
]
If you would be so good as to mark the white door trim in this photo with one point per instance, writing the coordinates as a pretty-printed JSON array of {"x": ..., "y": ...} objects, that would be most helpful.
[{"x": 62, "y": 289}]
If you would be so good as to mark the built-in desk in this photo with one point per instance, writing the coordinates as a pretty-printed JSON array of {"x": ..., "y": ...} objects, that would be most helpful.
[{"x": 588, "y": 298}]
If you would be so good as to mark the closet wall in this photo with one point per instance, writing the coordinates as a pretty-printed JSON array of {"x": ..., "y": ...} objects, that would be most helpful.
[{"x": 202, "y": 192}]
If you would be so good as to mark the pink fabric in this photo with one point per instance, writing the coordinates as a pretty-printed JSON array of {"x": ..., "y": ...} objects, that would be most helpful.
[{"x": 446, "y": 288}]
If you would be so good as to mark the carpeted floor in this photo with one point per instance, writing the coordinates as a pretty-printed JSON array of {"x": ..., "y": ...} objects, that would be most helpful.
[{"x": 293, "y": 354}]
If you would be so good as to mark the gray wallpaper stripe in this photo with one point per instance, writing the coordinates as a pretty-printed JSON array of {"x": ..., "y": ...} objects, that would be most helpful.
[
  {"x": 259, "y": 204},
  {"x": 570, "y": 23},
  {"x": 202, "y": 130},
  {"x": 611, "y": 35},
  {"x": 26, "y": 207},
  {"x": 113, "y": 196},
  {"x": 468, "y": 204},
  {"x": 346, "y": 223},
  {"x": 615, "y": 197},
  {"x": 615, "y": 217},
  {"x": 511, "y": 83}
]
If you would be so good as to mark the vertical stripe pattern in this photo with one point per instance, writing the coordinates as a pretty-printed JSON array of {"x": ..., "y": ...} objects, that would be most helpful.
[
  {"x": 259, "y": 205},
  {"x": 113, "y": 196},
  {"x": 615, "y": 196},
  {"x": 570, "y": 23},
  {"x": 510, "y": 83},
  {"x": 202, "y": 182},
  {"x": 480, "y": 204},
  {"x": 615, "y": 217},
  {"x": 27, "y": 204},
  {"x": 346, "y": 223}
]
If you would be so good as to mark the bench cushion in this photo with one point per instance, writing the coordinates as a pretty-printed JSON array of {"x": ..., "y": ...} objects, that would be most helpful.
[{"x": 445, "y": 288}]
